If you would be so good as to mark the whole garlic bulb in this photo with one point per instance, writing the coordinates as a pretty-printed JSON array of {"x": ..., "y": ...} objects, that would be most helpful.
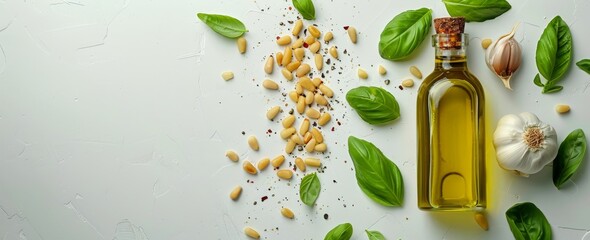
[
  {"x": 524, "y": 144},
  {"x": 503, "y": 57}
]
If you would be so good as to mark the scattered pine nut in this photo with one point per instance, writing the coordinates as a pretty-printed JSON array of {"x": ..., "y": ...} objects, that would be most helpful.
[
  {"x": 316, "y": 81},
  {"x": 293, "y": 66},
  {"x": 235, "y": 193},
  {"x": 285, "y": 174},
  {"x": 408, "y": 83},
  {"x": 287, "y": 56},
  {"x": 312, "y": 162},
  {"x": 300, "y": 164},
  {"x": 287, "y": 132},
  {"x": 279, "y": 58},
  {"x": 309, "y": 40},
  {"x": 290, "y": 146},
  {"x": 253, "y": 143},
  {"x": 482, "y": 221},
  {"x": 293, "y": 96},
  {"x": 287, "y": 74},
  {"x": 299, "y": 54},
  {"x": 301, "y": 104},
  {"x": 314, "y": 31},
  {"x": 315, "y": 47},
  {"x": 297, "y": 44},
  {"x": 485, "y": 43},
  {"x": 269, "y": 65},
  {"x": 249, "y": 168},
  {"x": 288, "y": 121},
  {"x": 284, "y": 40},
  {"x": 263, "y": 163},
  {"x": 297, "y": 139},
  {"x": 307, "y": 137},
  {"x": 273, "y": 112},
  {"x": 287, "y": 213},
  {"x": 306, "y": 83},
  {"x": 308, "y": 98},
  {"x": 382, "y": 70},
  {"x": 277, "y": 161},
  {"x": 303, "y": 70},
  {"x": 312, "y": 113},
  {"x": 297, "y": 27},
  {"x": 334, "y": 52},
  {"x": 304, "y": 127},
  {"x": 250, "y": 232},
  {"x": 242, "y": 44},
  {"x": 362, "y": 73},
  {"x": 324, "y": 119},
  {"x": 310, "y": 146},
  {"x": 321, "y": 147},
  {"x": 320, "y": 100},
  {"x": 352, "y": 34},
  {"x": 232, "y": 155},
  {"x": 416, "y": 72},
  {"x": 328, "y": 37},
  {"x": 270, "y": 84},
  {"x": 317, "y": 135},
  {"x": 562, "y": 108},
  {"x": 326, "y": 90},
  {"x": 319, "y": 61},
  {"x": 298, "y": 88},
  {"x": 227, "y": 75}
]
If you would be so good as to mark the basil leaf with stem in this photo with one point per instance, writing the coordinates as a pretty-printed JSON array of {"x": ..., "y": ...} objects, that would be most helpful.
[
  {"x": 225, "y": 25},
  {"x": 526, "y": 222},
  {"x": 537, "y": 81},
  {"x": 476, "y": 10},
  {"x": 377, "y": 176},
  {"x": 552, "y": 89},
  {"x": 554, "y": 53},
  {"x": 569, "y": 157},
  {"x": 404, "y": 33},
  {"x": 340, "y": 232},
  {"x": 374, "y": 105},
  {"x": 309, "y": 190},
  {"x": 584, "y": 64},
  {"x": 306, "y": 8},
  {"x": 374, "y": 235}
]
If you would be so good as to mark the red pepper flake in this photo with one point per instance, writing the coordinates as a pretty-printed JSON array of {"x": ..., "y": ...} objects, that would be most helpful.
[
  {"x": 332, "y": 129},
  {"x": 346, "y": 27},
  {"x": 400, "y": 87},
  {"x": 278, "y": 37},
  {"x": 290, "y": 8},
  {"x": 305, "y": 45},
  {"x": 264, "y": 198}
]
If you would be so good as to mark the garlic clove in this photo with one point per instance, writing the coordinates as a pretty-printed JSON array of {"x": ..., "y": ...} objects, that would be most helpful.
[{"x": 503, "y": 57}]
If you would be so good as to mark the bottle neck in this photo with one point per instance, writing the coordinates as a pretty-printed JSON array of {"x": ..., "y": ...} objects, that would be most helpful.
[{"x": 450, "y": 51}]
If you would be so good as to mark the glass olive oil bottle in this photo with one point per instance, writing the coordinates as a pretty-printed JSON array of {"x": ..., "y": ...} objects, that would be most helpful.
[{"x": 450, "y": 122}]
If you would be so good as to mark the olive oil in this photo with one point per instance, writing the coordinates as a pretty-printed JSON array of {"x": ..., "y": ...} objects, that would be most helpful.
[{"x": 451, "y": 132}]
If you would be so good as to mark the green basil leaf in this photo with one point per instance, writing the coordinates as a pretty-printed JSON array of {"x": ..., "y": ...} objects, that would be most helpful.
[
  {"x": 554, "y": 51},
  {"x": 224, "y": 25},
  {"x": 527, "y": 222},
  {"x": 340, "y": 232},
  {"x": 537, "y": 81},
  {"x": 476, "y": 10},
  {"x": 404, "y": 33},
  {"x": 377, "y": 176},
  {"x": 551, "y": 89},
  {"x": 306, "y": 8},
  {"x": 375, "y": 235},
  {"x": 374, "y": 105},
  {"x": 584, "y": 64},
  {"x": 569, "y": 157},
  {"x": 309, "y": 190}
]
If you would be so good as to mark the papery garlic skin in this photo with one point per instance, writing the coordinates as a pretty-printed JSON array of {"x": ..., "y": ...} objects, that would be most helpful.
[
  {"x": 524, "y": 144},
  {"x": 504, "y": 56}
]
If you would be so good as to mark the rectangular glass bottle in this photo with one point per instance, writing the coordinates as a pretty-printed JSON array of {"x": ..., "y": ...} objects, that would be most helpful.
[{"x": 451, "y": 131}]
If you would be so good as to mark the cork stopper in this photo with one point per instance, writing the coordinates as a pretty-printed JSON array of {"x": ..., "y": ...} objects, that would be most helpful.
[{"x": 450, "y": 30}]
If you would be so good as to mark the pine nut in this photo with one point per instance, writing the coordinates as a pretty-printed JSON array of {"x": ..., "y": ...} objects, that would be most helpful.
[
  {"x": 309, "y": 40},
  {"x": 297, "y": 139},
  {"x": 306, "y": 83},
  {"x": 253, "y": 143},
  {"x": 352, "y": 34},
  {"x": 310, "y": 146},
  {"x": 301, "y": 105},
  {"x": 290, "y": 146},
  {"x": 303, "y": 70},
  {"x": 362, "y": 73},
  {"x": 562, "y": 108},
  {"x": 314, "y": 31},
  {"x": 320, "y": 100},
  {"x": 317, "y": 135},
  {"x": 293, "y": 96},
  {"x": 227, "y": 75},
  {"x": 334, "y": 52},
  {"x": 232, "y": 155},
  {"x": 250, "y": 232},
  {"x": 273, "y": 112},
  {"x": 312, "y": 162},
  {"x": 315, "y": 47},
  {"x": 235, "y": 193},
  {"x": 288, "y": 121},
  {"x": 297, "y": 44},
  {"x": 328, "y": 37},
  {"x": 299, "y": 54},
  {"x": 284, "y": 40},
  {"x": 287, "y": 74},
  {"x": 324, "y": 119},
  {"x": 285, "y": 174},
  {"x": 249, "y": 168},
  {"x": 416, "y": 72},
  {"x": 270, "y": 63},
  {"x": 320, "y": 147},
  {"x": 287, "y": 132},
  {"x": 408, "y": 83},
  {"x": 319, "y": 61},
  {"x": 279, "y": 58},
  {"x": 242, "y": 44},
  {"x": 308, "y": 98},
  {"x": 297, "y": 27},
  {"x": 293, "y": 66},
  {"x": 316, "y": 81},
  {"x": 382, "y": 70},
  {"x": 307, "y": 137},
  {"x": 287, "y": 213},
  {"x": 300, "y": 164},
  {"x": 263, "y": 163},
  {"x": 304, "y": 127},
  {"x": 486, "y": 43},
  {"x": 481, "y": 220},
  {"x": 326, "y": 90},
  {"x": 270, "y": 84},
  {"x": 312, "y": 113},
  {"x": 298, "y": 88},
  {"x": 287, "y": 55},
  {"x": 277, "y": 161}
]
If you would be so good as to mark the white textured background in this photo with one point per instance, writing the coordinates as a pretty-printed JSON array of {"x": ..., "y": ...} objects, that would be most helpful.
[{"x": 114, "y": 122}]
